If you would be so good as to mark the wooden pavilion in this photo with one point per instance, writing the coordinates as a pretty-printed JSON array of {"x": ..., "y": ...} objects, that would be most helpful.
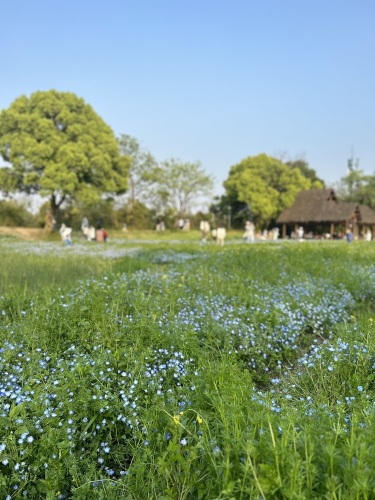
[{"x": 319, "y": 209}]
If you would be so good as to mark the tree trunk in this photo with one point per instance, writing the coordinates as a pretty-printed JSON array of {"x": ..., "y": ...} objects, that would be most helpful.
[{"x": 50, "y": 219}]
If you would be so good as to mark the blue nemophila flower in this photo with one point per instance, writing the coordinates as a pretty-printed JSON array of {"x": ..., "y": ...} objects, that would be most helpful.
[
  {"x": 360, "y": 388},
  {"x": 183, "y": 441}
]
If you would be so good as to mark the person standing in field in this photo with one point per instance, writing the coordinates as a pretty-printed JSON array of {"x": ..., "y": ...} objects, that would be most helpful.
[
  {"x": 349, "y": 235},
  {"x": 249, "y": 232},
  {"x": 204, "y": 227},
  {"x": 85, "y": 227},
  {"x": 66, "y": 234},
  {"x": 220, "y": 234}
]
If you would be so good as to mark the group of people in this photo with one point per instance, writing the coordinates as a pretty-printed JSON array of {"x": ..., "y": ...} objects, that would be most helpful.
[
  {"x": 250, "y": 236},
  {"x": 183, "y": 224},
  {"x": 94, "y": 234},
  {"x": 160, "y": 224},
  {"x": 217, "y": 234},
  {"x": 89, "y": 231}
]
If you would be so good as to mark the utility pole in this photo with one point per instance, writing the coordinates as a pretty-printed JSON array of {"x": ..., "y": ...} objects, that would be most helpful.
[{"x": 352, "y": 165}]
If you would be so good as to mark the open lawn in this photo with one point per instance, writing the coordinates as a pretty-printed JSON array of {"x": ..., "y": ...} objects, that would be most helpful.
[{"x": 158, "y": 367}]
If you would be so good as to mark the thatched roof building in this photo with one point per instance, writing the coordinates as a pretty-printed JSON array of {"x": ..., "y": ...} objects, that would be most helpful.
[{"x": 321, "y": 207}]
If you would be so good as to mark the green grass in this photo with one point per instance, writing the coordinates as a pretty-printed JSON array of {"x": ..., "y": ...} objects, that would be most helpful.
[{"x": 187, "y": 371}]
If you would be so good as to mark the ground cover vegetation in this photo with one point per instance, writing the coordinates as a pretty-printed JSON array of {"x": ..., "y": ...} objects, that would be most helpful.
[{"x": 169, "y": 369}]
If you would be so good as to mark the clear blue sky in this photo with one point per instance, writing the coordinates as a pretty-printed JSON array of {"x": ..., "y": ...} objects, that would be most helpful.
[{"x": 207, "y": 80}]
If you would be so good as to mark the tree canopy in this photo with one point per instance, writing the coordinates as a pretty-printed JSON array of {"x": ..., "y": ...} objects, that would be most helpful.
[
  {"x": 308, "y": 172},
  {"x": 180, "y": 185},
  {"x": 358, "y": 187},
  {"x": 142, "y": 164},
  {"x": 56, "y": 145},
  {"x": 266, "y": 185}
]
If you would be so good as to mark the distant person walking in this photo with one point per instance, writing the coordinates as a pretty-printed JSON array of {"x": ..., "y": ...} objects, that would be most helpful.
[
  {"x": 85, "y": 227},
  {"x": 368, "y": 235},
  {"x": 349, "y": 235},
  {"x": 275, "y": 233},
  {"x": 91, "y": 236},
  {"x": 204, "y": 227},
  {"x": 101, "y": 235},
  {"x": 66, "y": 234},
  {"x": 249, "y": 232},
  {"x": 220, "y": 235}
]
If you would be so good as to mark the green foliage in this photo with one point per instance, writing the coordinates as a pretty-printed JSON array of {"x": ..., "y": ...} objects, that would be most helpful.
[
  {"x": 59, "y": 147},
  {"x": 357, "y": 187},
  {"x": 141, "y": 165},
  {"x": 14, "y": 213},
  {"x": 136, "y": 215},
  {"x": 265, "y": 185},
  {"x": 187, "y": 372},
  {"x": 307, "y": 172},
  {"x": 180, "y": 186}
]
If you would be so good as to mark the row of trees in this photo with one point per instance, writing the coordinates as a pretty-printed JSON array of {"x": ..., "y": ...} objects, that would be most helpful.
[{"x": 56, "y": 146}]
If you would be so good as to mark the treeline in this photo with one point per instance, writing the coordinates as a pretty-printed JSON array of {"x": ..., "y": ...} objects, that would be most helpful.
[
  {"x": 54, "y": 145},
  {"x": 17, "y": 213}
]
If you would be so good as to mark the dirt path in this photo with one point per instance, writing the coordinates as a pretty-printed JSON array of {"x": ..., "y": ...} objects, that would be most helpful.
[{"x": 25, "y": 233}]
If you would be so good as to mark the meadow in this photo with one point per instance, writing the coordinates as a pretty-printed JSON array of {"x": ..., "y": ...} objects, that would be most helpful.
[{"x": 167, "y": 369}]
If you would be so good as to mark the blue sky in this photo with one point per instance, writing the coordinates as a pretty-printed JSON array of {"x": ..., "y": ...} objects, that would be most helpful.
[{"x": 205, "y": 80}]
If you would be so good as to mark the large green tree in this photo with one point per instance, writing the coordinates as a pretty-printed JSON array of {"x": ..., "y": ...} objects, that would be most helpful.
[
  {"x": 180, "y": 185},
  {"x": 57, "y": 146},
  {"x": 266, "y": 185}
]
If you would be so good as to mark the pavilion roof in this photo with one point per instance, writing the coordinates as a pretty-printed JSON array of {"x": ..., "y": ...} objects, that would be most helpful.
[{"x": 322, "y": 205}]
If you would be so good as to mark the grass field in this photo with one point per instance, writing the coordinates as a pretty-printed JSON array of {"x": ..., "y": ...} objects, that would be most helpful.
[{"x": 163, "y": 368}]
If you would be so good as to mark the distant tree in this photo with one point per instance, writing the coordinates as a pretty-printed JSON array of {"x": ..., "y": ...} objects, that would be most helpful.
[
  {"x": 357, "y": 187},
  {"x": 15, "y": 213},
  {"x": 309, "y": 173},
  {"x": 265, "y": 185},
  {"x": 141, "y": 165},
  {"x": 180, "y": 186},
  {"x": 59, "y": 147},
  {"x": 227, "y": 208},
  {"x": 136, "y": 215},
  {"x": 351, "y": 185}
]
